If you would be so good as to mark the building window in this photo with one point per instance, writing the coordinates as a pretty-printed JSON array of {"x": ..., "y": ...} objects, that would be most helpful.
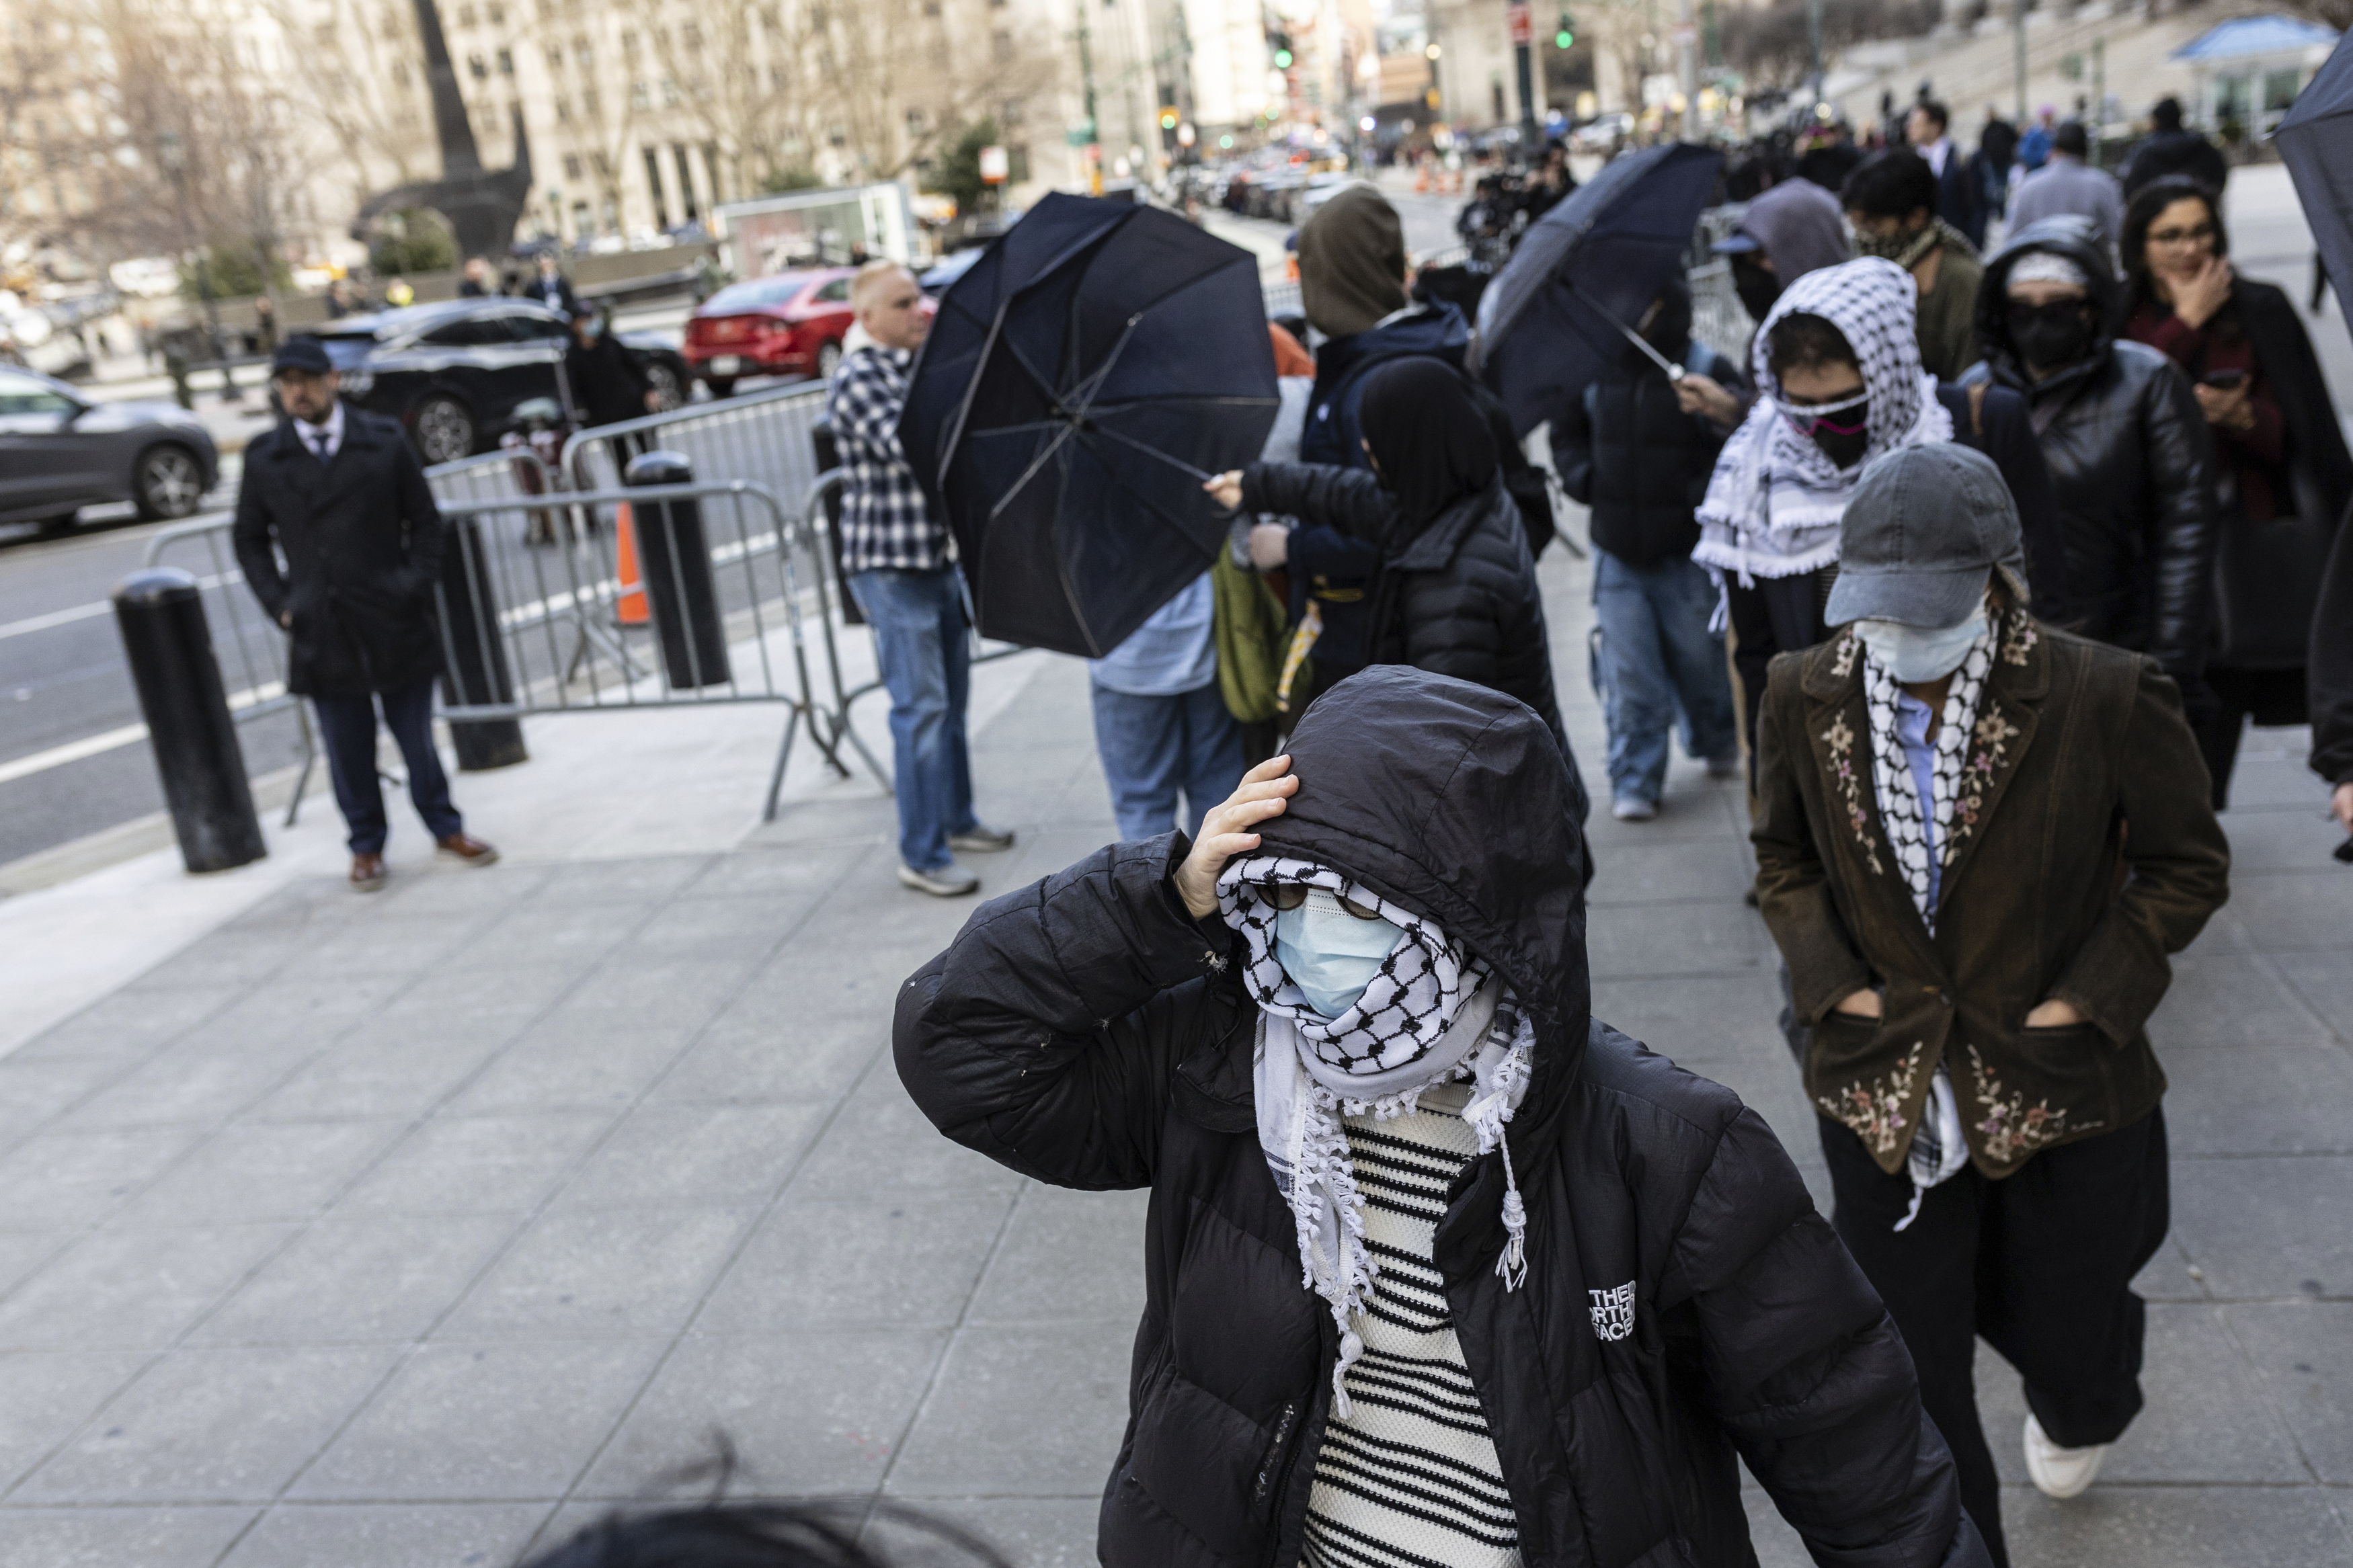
[
  {"x": 591, "y": 104},
  {"x": 641, "y": 95},
  {"x": 654, "y": 188},
  {"x": 498, "y": 14},
  {"x": 692, "y": 36},
  {"x": 572, "y": 166},
  {"x": 1001, "y": 45},
  {"x": 629, "y": 45},
  {"x": 465, "y": 15},
  {"x": 554, "y": 56},
  {"x": 770, "y": 22},
  {"x": 476, "y": 69},
  {"x": 563, "y": 111},
  {"x": 506, "y": 62},
  {"x": 1008, "y": 114},
  {"x": 583, "y": 55},
  {"x": 668, "y": 93}
]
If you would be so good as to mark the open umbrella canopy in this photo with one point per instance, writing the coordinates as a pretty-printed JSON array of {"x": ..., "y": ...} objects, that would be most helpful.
[
  {"x": 2315, "y": 140},
  {"x": 1550, "y": 319},
  {"x": 1079, "y": 384}
]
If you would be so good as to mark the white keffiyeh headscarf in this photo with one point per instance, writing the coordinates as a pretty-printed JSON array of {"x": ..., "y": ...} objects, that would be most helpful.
[
  {"x": 1938, "y": 1150},
  {"x": 1436, "y": 1013},
  {"x": 1774, "y": 502}
]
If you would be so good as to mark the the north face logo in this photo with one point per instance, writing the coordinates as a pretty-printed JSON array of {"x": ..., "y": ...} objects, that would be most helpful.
[{"x": 1613, "y": 1312}]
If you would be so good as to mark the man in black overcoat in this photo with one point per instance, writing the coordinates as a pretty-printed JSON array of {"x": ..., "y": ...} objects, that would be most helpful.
[{"x": 338, "y": 493}]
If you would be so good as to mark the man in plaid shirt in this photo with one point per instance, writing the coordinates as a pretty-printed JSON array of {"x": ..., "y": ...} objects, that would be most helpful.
[{"x": 896, "y": 558}]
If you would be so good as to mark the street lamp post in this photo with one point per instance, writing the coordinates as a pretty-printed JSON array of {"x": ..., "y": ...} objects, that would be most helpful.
[
  {"x": 1516, "y": 11},
  {"x": 2018, "y": 54}
]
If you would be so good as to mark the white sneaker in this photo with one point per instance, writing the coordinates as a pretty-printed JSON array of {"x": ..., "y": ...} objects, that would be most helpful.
[
  {"x": 950, "y": 881},
  {"x": 2056, "y": 1471},
  {"x": 1633, "y": 808}
]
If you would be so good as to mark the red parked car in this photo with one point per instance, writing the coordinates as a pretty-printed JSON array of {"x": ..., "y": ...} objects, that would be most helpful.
[{"x": 791, "y": 323}]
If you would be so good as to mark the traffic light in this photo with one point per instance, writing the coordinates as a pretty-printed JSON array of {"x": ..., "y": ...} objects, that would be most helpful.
[
  {"x": 1169, "y": 117},
  {"x": 1567, "y": 34},
  {"x": 1279, "y": 42}
]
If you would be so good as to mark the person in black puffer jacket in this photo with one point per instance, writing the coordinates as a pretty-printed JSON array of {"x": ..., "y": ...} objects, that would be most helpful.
[
  {"x": 2130, "y": 458},
  {"x": 1629, "y": 449},
  {"x": 1456, "y": 588},
  {"x": 1626, "y": 1293}
]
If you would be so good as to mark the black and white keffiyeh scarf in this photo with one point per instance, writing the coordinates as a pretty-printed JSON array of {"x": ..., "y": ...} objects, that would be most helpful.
[
  {"x": 1938, "y": 1150},
  {"x": 1774, "y": 502},
  {"x": 1901, "y": 809},
  {"x": 1434, "y": 1014}
]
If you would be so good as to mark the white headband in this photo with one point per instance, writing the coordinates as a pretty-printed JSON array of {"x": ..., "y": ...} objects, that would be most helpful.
[{"x": 2048, "y": 266}]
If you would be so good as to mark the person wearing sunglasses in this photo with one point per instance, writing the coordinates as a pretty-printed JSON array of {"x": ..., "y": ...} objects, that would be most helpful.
[
  {"x": 2129, "y": 453},
  {"x": 1837, "y": 365},
  {"x": 2282, "y": 472},
  {"x": 1440, "y": 1268}
]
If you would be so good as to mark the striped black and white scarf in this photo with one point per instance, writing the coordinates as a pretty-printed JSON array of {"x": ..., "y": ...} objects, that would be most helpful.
[{"x": 1436, "y": 1013}]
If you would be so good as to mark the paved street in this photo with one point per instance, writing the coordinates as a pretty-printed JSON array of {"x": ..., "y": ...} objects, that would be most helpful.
[{"x": 408, "y": 1230}]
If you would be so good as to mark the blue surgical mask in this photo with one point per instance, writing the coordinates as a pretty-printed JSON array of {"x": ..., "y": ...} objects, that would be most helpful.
[
  {"x": 1917, "y": 655},
  {"x": 1330, "y": 955}
]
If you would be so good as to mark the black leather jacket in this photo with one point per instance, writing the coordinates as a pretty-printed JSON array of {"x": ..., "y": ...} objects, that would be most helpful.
[{"x": 2130, "y": 458}]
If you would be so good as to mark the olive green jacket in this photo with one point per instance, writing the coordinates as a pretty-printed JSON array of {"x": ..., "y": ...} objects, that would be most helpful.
[
  {"x": 1947, "y": 325},
  {"x": 2084, "y": 853}
]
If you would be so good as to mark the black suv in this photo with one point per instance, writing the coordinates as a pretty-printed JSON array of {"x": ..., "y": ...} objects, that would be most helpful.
[{"x": 454, "y": 373}]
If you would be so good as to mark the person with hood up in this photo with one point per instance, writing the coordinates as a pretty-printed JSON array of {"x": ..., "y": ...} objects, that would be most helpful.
[
  {"x": 1628, "y": 449},
  {"x": 1352, "y": 287},
  {"x": 1440, "y": 1269},
  {"x": 1837, "y": 368},
  {"x": 1454, "y": 588},
  {"x": 2130, "y": 458},
  {"x": 1978, "y": 840},
  {"x": 1792, "y": 229}
]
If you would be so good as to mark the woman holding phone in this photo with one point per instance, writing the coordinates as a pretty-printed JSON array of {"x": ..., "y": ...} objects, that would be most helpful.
[{"x": 2282, "y": 472}]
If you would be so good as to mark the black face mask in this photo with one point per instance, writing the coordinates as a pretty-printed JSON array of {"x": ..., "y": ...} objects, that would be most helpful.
[
  {"x": 1845, "y": 451},
  {"x": 1758, "y": 288},
  {"x": 2049, "y": 336}
]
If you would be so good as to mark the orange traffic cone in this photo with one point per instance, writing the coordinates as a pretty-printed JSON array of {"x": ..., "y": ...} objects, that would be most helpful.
[{"x": 631, "y": 609}]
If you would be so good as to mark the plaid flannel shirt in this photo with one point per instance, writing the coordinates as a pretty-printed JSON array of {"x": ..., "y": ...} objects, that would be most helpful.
[{"x": 885, "y": 523}]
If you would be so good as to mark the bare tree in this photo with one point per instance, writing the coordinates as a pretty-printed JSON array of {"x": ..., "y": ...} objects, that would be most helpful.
[{"x": 363, "y": 79}]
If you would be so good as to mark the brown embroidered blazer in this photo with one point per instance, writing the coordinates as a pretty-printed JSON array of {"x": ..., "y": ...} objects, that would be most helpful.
[{"x": 2084, "y": 855}]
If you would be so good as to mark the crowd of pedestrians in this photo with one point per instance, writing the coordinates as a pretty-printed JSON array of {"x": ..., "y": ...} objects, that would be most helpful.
[{"x": 1982, "y": 562}]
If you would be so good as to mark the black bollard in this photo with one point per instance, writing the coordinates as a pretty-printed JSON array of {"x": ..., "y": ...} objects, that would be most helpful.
[
  {"x": 476, "y": 675},
  {"x": 675, "y": 557},
  {"x": 829, "y": 457},
  {"x": 170, "y": 647}
]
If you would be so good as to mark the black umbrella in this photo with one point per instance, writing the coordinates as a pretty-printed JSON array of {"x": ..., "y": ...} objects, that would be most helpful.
[
  {"x": 1079, "y": 384},
  {"x": 2316, "y": 138},
  {"x": 1584, "y": 272}
]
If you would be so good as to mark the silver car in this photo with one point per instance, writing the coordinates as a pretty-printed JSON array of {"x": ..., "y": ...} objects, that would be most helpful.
[{"x": 59, "y": 452}]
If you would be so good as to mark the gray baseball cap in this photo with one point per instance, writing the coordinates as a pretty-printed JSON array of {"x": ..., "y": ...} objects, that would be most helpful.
[{"x": 1926, "y": 527}]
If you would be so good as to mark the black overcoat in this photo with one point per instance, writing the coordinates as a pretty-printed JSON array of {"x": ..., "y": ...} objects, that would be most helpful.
[
  {"x": 362, "y": 541},
  {"x": 1685, "y": 1310}
]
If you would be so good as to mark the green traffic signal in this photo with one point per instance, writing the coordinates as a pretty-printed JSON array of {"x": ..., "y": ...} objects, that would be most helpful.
[
  {"x": 1282, "y": 59},
  {"x": 1567, "y": 34}
]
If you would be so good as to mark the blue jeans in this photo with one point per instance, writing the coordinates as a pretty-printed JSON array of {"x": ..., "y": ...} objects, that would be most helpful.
[
  {"x": 347, "y": 734},
  {"x": 1656, "y": 657},
  {"x": 1152, "y": 747},
  {"x": 926, "y": 657}
]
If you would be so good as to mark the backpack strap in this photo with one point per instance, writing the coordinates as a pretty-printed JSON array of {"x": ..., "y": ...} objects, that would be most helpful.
[{"x": 1977, "y": 409}]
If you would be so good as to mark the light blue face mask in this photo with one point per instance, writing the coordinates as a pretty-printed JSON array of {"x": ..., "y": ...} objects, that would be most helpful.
[
  {"x": 1330, "y": 955},
  {"x": 1917, "y": 655}
]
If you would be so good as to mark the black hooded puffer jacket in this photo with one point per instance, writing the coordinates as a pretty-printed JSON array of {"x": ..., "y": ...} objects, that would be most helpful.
[
  {"x": 1457, "y": 598},
  {"x": 1087, "y": 1032},
  {"x": 2130, "y": 459}
]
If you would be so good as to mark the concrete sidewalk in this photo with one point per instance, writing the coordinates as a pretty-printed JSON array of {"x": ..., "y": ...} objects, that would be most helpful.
[{"x": 412, "y": 1229}]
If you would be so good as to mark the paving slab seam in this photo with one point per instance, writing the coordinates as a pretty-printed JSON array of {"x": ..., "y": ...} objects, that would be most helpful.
[
  {"x": 268, "y": 1256},
  {"x": 947, "y": 1350},
  {"x": 555, "y": 1189},
  {"x": 746, "y": 1235}
]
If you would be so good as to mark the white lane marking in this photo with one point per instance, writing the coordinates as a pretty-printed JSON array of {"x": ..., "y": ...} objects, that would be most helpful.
[
  {"x": 113, "y": 740},
  {"x": 87, "y": 612}
]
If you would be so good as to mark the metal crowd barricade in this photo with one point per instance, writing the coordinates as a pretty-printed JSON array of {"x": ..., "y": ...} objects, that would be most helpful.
[
  {"x": 251, "y": 651},
  {"x": 833, "y": 592},
  {"x": 557, "y": 620},
  {"x": 1718, "y": 318},
  {"x": 762, "y": 436}
]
